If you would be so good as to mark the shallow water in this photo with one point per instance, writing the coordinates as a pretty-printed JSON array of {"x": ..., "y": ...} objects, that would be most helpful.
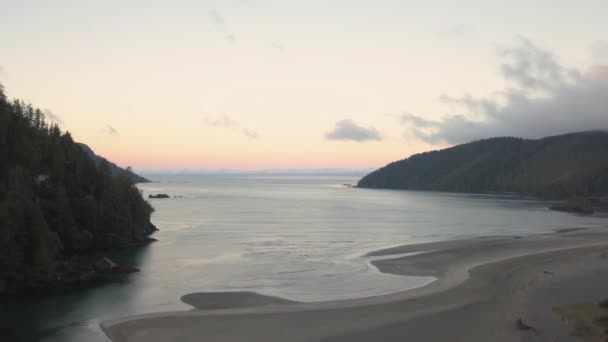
[{"x": 296, "y": 236}]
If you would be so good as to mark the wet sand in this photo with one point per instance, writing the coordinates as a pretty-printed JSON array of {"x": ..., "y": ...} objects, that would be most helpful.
[
  {"x": 484, "y": 287},
  {"x": 227, "y": 300}
]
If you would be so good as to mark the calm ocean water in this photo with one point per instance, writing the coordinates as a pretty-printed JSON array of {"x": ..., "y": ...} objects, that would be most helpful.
[{"x": 296, "y": 236}]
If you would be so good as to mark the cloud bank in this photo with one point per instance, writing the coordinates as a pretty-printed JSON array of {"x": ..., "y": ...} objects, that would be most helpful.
[
  {"x": 543, "y": 98},
  {"x": 347, "y": 130}
]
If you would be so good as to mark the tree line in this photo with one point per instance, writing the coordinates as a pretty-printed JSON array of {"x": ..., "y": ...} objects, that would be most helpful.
[
  {"x": 55, "y": 202},
  {"x": 556, "y": 167}
]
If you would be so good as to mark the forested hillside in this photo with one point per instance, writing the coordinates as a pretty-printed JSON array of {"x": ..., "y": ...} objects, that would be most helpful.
[
  {"x": 114, "y": 169},
  {"x": 55, "y": 202},
  {"x": 553, "y": 167}
]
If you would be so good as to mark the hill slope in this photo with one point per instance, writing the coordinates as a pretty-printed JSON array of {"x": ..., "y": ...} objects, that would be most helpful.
[
  {"x": 553, "y": 167},
  {"x": 114, "y": 169},
  {"x": 55, "y": 203}
]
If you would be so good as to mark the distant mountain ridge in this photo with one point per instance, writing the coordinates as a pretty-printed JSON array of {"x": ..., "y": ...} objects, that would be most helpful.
[
  {"x": 553, "y": 167},
  {"x": 114, "y": 169}
]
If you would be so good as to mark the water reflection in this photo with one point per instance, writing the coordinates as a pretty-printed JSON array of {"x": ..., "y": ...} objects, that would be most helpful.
[
  {"x": 72, "y": 315},
  {"x": 295, "y": 237}
]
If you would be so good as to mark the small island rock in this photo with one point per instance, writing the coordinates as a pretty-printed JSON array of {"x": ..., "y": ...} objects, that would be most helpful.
[{"x": 159, "y": 196}]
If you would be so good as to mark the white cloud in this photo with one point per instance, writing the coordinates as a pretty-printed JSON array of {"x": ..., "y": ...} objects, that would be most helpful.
[
  {"x": 546, "y": 99},
  {"x": 222, "y": 121},
  {"x": 251, "y": 134},
  {"x": 219, "y": 24},
  {"x": 226, "y": 122},
  {"x": 109, "y": 131}
]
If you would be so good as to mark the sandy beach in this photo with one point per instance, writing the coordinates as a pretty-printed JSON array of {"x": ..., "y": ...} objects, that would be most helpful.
[{"x": 487, "y": 289}]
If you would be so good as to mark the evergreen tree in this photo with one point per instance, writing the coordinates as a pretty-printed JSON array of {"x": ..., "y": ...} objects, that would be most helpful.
[
  {"x": 55, "y": 202},
  {"x": 556, "y": 167}
]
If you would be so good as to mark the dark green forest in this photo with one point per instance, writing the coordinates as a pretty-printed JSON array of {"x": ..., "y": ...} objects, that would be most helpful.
[
  {"x": 555, "y": 167},
  {"x": 55, "y": 202},
  {"x": 114, "y": 169}
]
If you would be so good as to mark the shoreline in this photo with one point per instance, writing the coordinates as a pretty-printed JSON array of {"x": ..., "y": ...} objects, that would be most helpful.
[{"x": 457, "y": 265}]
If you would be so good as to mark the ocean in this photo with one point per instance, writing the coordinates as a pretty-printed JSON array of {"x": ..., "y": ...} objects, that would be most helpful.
[{"x": 301, "y": 236}]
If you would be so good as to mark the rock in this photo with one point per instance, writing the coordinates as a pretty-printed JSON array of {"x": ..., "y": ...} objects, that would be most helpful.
[
  {"x": 74, "y": 273},
  {"x": 159, "y": 196},
  {"x": 77, "y": 273},
  {"x": 105, "y": 265},
  {"x": 150, "y": 230}
]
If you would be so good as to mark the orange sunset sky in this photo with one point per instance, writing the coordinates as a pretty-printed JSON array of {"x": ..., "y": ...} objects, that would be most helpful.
[{"x": 297, "y": 84}]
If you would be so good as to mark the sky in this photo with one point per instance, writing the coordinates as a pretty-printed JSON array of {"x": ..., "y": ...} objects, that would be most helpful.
[{"x": 269, "y": 84}]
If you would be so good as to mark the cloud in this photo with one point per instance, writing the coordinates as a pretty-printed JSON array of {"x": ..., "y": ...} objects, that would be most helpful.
[
  {"x": 52, "y": 116},
  {"x": 417, "y": 121},
  {"x": 348, "y": 130},
  {"x": 231, "y": 38},
  {"x": 216, "y": 19},
  {"x": 219, "y": 24},
  {"x": 222, "y": 121},
  {"x": 278, "y": 46},
  {"x": 534, "y": 69},
  {"x": 226, "y": 122},
  {"x": 599, "y": 49},
  {"x": 545, "y": 98},
  {"x": 251, "y": 134},
  {"x": 108, "y": 131},
  {"x": 472, "y": 104}
]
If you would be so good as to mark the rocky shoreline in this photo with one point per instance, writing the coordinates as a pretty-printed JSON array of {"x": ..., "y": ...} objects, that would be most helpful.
[
  {"x": 72, "y": 274},
  {"x": 79, "y": 271},
  {"x": 582, "y": 205}
]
